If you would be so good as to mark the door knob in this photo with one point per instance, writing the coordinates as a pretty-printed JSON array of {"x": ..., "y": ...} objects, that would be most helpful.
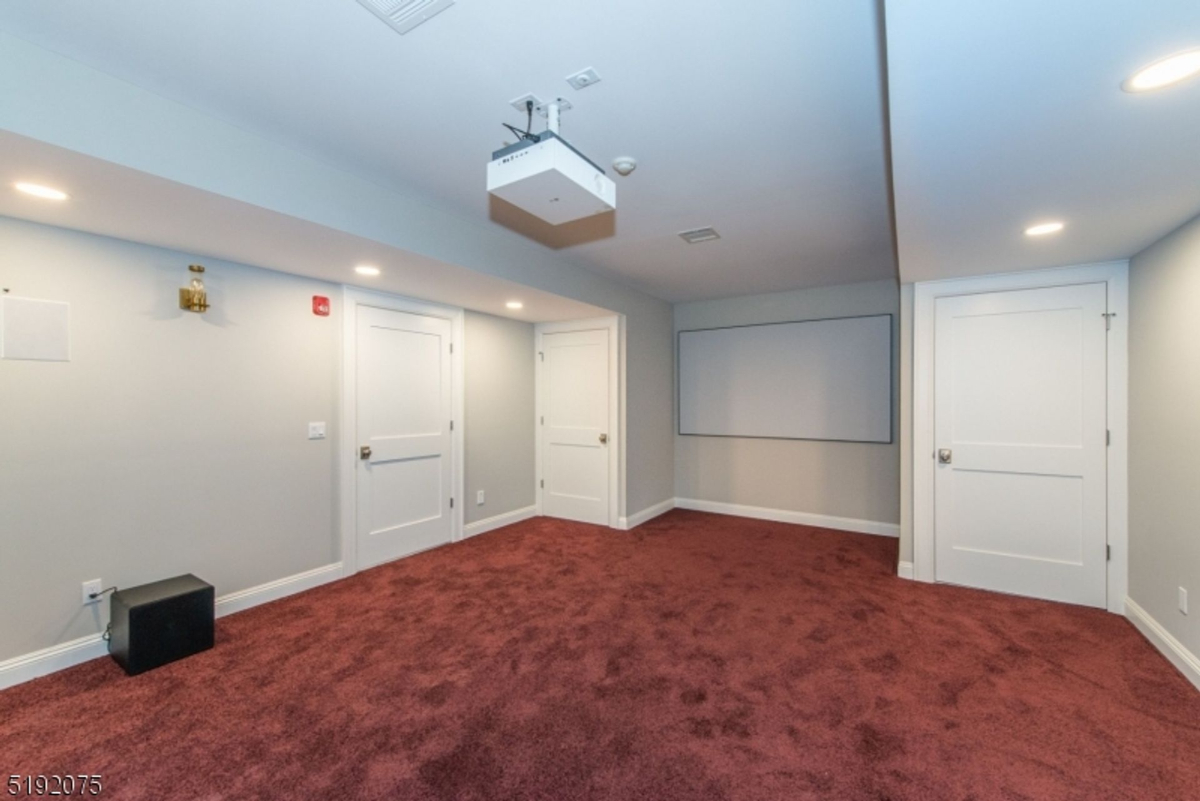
[
  {"x": 604, "y": 439},
  {"x": 945, "y": 455},
  {"x": 364, "y": 452}
]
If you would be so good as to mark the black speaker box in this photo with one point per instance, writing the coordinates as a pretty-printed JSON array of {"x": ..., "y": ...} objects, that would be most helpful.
[{"x": 161, "y": 622}]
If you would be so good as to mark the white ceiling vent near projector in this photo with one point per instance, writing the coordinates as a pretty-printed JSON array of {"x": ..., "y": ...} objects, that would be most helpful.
[
  {"x": 698, "y": 235},
  {"x": 404, "y": 15}
]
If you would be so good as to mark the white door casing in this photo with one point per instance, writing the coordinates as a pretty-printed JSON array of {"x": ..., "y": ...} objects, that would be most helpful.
[
  {"x": 1020, "y": 427},
  {"x": 577, "y": 417},
  {"x": 402, "y": 399},
  {"x": 927, "y": 551}
]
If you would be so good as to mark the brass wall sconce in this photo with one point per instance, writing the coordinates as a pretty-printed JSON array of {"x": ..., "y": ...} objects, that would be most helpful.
[{"x": 193, "y": 297}]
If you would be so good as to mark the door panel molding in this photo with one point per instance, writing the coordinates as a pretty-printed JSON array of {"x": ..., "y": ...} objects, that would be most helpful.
[
  {"x": 925, "y": 295},
  {"x": 345, "y": 438},
  {"x": 616, "y": 440}
]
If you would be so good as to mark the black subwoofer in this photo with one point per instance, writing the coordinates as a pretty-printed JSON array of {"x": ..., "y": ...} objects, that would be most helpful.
[{"x": 161, "y": 622}]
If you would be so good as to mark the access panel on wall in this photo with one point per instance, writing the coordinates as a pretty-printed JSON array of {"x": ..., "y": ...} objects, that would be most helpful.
[{"x": 811, "y": 379}]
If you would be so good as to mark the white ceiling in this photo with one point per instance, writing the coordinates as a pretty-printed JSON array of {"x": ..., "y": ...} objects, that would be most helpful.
[
  {"x": 116, "y": 201},
  {"x": 1007, "y": 113},
  {"x": 762, "y": 119}
]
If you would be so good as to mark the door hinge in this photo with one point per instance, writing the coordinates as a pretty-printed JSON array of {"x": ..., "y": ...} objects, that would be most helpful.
[
  {"x": 543, "y": 419},
  {"x": 452, "y": 347},
  {"x": 542, "y": 483},
  {"x": 451, "y": 425},
  {"x": 1108, "y": 320},
  {"x": 542, "y": 355},
  {"x": 451, "y": 503},
  {"x": 1108, "y": 553},
  {"x": 1108, "y": 437}
]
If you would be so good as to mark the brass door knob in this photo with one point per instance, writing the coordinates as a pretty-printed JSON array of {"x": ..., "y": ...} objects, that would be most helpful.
[
  {"x": 604, "y": 439},
  {"x": 364, "y": 452}
]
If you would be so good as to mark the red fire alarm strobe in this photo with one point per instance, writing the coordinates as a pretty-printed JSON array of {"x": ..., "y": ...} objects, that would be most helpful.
[{"x": 320, "y": 305}]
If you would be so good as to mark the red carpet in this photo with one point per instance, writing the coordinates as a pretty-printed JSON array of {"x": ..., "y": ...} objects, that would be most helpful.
[{"x": 698, "y": 657}]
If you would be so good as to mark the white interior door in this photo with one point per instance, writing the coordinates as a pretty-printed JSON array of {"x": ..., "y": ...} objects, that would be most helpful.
[
  {"x": 1020, "y": 490},
  {"x": 404, "y": 409},
  {"x": 574, "y": 385}
]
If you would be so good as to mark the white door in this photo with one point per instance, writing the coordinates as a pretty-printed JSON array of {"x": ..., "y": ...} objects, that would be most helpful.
[
  {"x": 575, "y": 417},
  {"x": 404, "y": 402},
  {"x": 1020, "y": 428}
]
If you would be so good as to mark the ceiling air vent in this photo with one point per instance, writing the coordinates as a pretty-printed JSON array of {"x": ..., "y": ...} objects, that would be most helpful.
[
  {"x": 698, "y": 235},
  {"x": 404, "y": 15}
]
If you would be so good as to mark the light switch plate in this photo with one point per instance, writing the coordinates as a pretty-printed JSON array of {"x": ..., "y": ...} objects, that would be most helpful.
[
  {"x": 316, "y": 431},
  {"x": 479, "y": 498}
]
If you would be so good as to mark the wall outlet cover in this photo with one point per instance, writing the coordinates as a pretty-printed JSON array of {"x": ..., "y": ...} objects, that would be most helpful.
[
  {"x": 88, "y": 589},
  {"x": 479, "y": 498},
  {"x": 316, "y": 431},
  {"x": 1183, "y": 600}
]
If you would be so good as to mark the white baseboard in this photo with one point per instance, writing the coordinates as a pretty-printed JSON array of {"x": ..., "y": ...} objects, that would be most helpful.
[
  {"x": 1179, "y": 656},
  {"x": 649, "y": 513},
  {"x": 785, "y": 516},
  {"x": 23, "y": 668},
  {"x": 498, "y": 521},
  {"x": 274, "y": 590},
  {"x": 905, "y": 570}
]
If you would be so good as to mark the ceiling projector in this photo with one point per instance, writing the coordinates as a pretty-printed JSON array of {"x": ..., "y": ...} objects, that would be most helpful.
[{"x": 547, "y": 177}]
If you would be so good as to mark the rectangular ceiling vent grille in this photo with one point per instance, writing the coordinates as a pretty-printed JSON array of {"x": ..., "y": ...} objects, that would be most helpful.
[
  {"x": 404, "y": 15},
  {"x": 698, "y": 235}
]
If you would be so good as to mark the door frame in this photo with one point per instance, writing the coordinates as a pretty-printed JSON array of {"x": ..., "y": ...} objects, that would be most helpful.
[
  {"x": 346, "y": 436},
  {"x": 615, "y": 440},
  {"x": 925, "y": 295}
]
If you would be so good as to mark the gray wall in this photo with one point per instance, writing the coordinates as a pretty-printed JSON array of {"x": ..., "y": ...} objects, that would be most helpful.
[
  {"x": 649, "y": 410},
  {"x": 176, "y": 442},
  {"x": 1164, "y": 431},
  {"x": 171, "y": 442},
  {"x": 101, "y": 116},
  {"x": 843, "y": 479},
  {"x": 500, "y": 410}
]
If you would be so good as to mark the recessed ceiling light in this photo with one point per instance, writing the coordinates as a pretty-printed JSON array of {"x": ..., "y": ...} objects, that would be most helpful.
[
  {"x": 37, "y": 190},
  {"x": 1164, "y": 72},
  {"x": 366, "y": 269},
  {"x": 515, "y": 304},
  {"x": 1041, "y": 229},
  {"x": 698, "y": 235}
]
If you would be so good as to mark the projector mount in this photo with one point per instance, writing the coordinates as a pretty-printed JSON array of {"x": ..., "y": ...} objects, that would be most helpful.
[{"x": 551, "y": 112}]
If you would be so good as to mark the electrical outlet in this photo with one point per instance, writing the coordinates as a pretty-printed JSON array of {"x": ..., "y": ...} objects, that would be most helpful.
[
  {"x": 1183, "y": 600},
  {"x": 89, "y": 589},
  {"x": 479, "y": 498},
  {"x": 316, "y": 431}
]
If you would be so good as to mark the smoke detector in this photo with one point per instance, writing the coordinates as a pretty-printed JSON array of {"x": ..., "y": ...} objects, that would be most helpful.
[
  {"x": 404, "y": 15},
  {"x": 624, "y": 165},
  {"x": 583, "y": 79},
  {"x": 698, "y": 235}
]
